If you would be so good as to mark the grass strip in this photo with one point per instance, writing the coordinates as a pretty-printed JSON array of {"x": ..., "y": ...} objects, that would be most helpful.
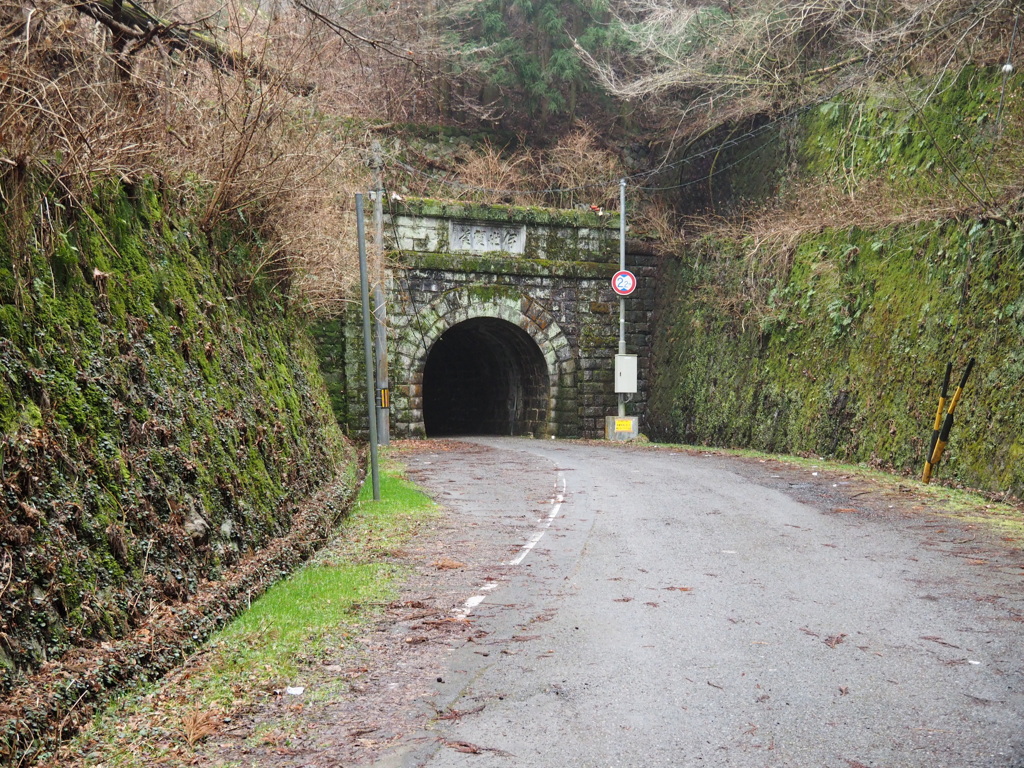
[{"x": 304, "y": 620}]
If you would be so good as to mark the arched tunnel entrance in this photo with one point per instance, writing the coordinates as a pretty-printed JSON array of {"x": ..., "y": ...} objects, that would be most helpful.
[{"x": 485, "y": 376}]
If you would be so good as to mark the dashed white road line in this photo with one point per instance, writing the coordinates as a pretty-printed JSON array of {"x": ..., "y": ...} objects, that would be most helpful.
[
  {"x": 556, "y": 505},
  {"x": 545, "y": 523}
]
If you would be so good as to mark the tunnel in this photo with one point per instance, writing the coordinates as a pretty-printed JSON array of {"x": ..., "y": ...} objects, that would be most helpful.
[{"x": 485, "y": 376}]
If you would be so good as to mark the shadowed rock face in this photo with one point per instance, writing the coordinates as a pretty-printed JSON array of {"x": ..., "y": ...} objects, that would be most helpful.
[{"x": 484, "y": 376}]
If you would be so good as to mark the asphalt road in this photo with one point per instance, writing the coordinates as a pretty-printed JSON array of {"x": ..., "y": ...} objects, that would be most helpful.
[{"x": 660, "y": 608}]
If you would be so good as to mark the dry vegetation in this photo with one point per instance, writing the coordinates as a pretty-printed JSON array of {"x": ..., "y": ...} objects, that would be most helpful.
[
  {"x": 579, "y": 169},
  {"x": 701, "y": 73},
  {"x": 244, "y": 110},
  {"x": 262, "y": 112},
  {"x": 698, "y": 66}
]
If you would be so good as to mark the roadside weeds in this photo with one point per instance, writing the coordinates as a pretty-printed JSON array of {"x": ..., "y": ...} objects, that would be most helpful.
[{"x": 312, "y": 617}]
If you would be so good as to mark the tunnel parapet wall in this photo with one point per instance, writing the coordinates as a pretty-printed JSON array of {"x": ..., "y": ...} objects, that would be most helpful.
[
  {"x": 530, "y": 233},
  {"x": 545, "y": 272}
]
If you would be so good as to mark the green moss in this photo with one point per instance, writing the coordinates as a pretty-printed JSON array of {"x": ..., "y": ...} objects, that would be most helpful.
[
  {"x": 841, "y": 355},
  {"x": 490, "y": 265},
  {"x": 483, "y": 294},
  {"x": 147, "y": 418},
  {"x": 558, "y": 217},
  {"x": 846, "y": 360},
  {"x": 922, "y": 139}
]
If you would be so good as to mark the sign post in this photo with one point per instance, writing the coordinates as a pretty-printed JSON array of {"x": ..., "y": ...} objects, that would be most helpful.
[
  {"x": 364, "y": 285},
  {"x": 619, "y": 274},
  {"x": 623, "y": 427}
]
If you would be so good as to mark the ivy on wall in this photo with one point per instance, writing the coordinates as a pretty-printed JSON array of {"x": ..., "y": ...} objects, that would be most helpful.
[{"x": 847, "y": 359}]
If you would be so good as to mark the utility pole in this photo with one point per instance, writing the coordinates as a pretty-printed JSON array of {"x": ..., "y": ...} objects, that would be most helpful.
[
  {"x": 380, "y": 312},
  {"x": 364, "y": 290},
  {"x": 622, "y": 299}
]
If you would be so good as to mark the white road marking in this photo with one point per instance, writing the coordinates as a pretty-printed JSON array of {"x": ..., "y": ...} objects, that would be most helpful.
[
  {"x": 473, "y": 602},
  {"x": 545, "y": 523},
  {"x": 556, "y": 505}
]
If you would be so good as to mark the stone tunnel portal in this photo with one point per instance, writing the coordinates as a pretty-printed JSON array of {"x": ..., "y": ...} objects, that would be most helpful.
[{"x": 485, "y": 376}]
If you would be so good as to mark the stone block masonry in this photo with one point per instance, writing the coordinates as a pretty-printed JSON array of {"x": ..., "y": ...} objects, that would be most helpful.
[{"x": 501, "y": 320}]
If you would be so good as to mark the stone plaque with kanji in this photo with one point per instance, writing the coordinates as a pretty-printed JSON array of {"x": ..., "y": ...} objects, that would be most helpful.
[{"x": 474, "y": 237}]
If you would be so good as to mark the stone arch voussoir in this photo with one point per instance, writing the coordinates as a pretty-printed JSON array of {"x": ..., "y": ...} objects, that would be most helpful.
[{"x": 414, "y": 340}]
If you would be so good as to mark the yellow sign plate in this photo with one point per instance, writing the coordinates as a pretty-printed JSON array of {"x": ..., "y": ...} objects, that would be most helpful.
[{"x": 623, "y": 425}]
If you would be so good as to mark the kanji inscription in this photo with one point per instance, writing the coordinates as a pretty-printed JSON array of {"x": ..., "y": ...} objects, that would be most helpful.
[{"x": 485, "y": 238}]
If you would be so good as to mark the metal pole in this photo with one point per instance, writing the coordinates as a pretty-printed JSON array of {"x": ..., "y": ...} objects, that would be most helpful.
[
  {"x": 380, "y": 312},
  {"x": 364, "y": 286},
  {"x": 622, "y": 266}
]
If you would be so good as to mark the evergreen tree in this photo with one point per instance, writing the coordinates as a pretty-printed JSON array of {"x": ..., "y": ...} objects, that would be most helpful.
[{"x": 521, "y": 55}]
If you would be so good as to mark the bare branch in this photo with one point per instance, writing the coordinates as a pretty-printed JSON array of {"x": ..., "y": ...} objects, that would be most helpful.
[{"x": 131, "y": 21}]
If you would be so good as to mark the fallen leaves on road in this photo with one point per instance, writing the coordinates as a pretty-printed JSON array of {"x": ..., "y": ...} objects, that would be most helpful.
[
  {"x": 623, "y": 599},
  {"x": 455, "y": 714},
  {"x": 679, "y": 589},
  {"x": 939, "y": 640},
  {"x": 464, "y": 746},
  {"x": 447, "y": 564},
  {"x": 448, "y": 621},
  {"x": 413, "y": 604},
  {"x": 835, "y": 640},
  {"x": 470, "y": 748}
]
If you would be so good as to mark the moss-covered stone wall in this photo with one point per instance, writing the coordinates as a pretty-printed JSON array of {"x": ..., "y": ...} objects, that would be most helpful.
[
  {"x": 848, "y": 358},
  {"x": 161, "y": 411},
  {"x": 836, "y": 345}
]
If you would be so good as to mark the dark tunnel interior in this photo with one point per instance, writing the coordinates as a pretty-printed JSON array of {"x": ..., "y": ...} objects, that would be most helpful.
[{"x": 485, "y": 376}]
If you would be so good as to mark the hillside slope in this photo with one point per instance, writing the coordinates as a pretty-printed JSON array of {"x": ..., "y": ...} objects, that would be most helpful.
[{"x": 823, "y": 323}]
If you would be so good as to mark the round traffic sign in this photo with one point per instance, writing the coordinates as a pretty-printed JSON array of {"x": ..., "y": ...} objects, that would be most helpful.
[{"x": 624, "y": 282}]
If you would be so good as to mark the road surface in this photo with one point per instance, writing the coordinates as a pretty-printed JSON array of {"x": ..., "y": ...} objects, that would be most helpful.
[{"x": 662, "y": 608}]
